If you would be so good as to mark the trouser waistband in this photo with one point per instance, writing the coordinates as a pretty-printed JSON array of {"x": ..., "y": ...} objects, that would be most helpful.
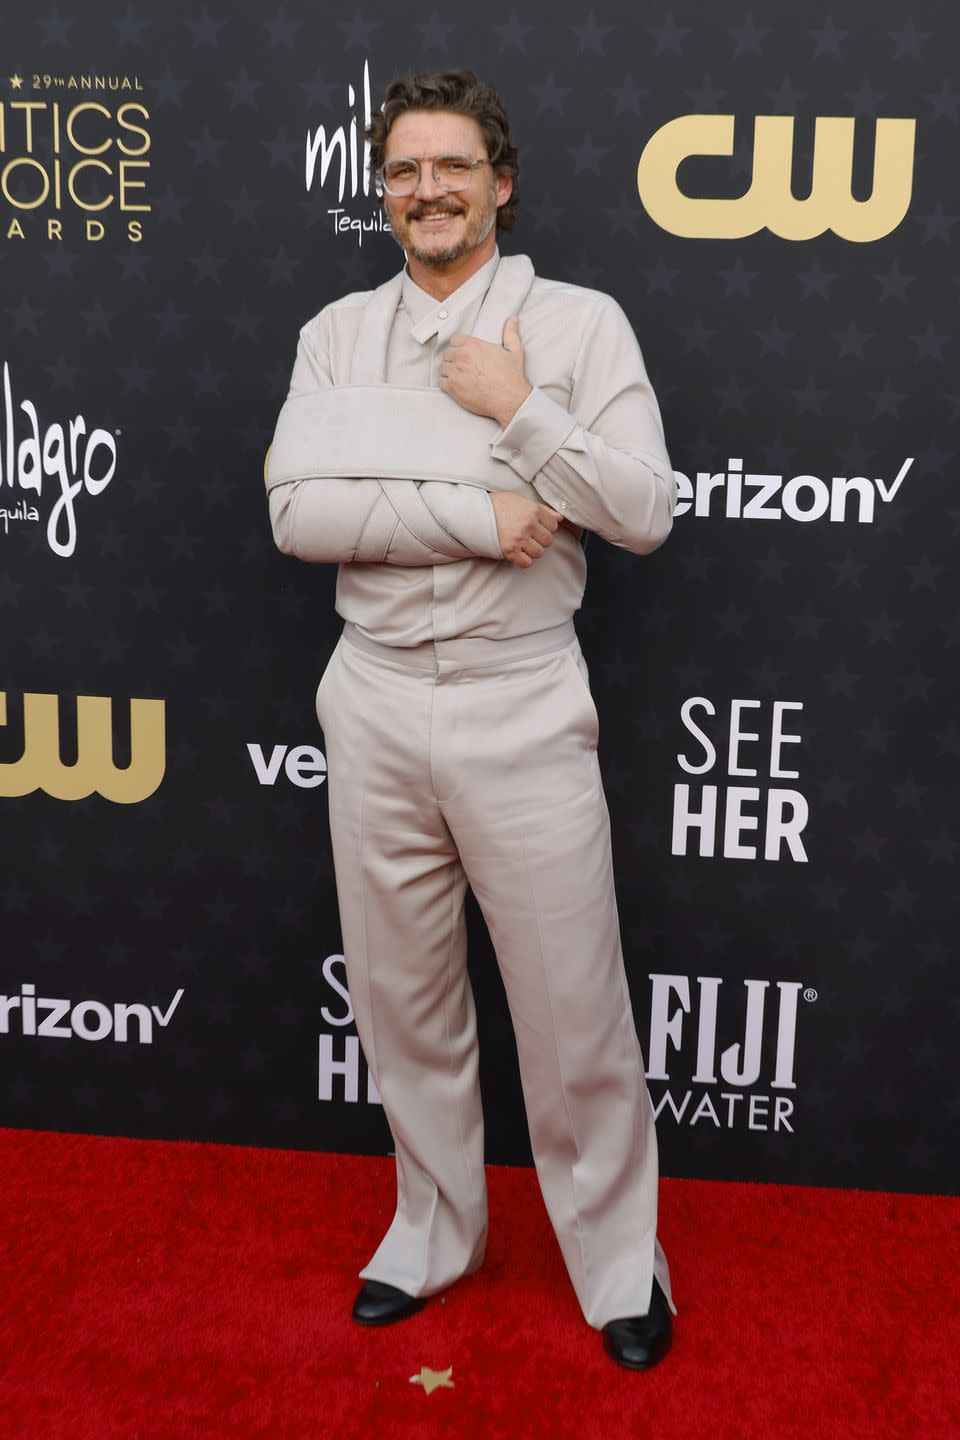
[{"x": 465, "y": 652}]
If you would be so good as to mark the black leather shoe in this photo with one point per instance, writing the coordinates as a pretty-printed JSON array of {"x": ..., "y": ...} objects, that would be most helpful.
[
  {"x": 380, "y": 1304},
  {"x": 641, "y": 1340}
]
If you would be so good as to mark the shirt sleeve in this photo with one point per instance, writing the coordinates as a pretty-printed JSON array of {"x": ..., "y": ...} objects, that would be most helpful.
[
  {"x": 339, "y": 521},
  {"x": 603, "y": 464},
  {"x": 394, "y": 522}
]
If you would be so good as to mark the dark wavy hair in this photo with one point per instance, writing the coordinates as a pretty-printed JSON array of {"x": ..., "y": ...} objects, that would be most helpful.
[{"x": 461, "y": 92}]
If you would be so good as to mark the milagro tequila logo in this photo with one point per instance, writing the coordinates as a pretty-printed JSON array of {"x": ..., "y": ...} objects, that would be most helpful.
[
  {"x": 66, "y": 458},
  {"x": 333, "y": 159}
]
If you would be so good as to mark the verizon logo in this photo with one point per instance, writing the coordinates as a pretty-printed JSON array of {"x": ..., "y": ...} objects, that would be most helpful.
[{"x": 43, "y": 1016}]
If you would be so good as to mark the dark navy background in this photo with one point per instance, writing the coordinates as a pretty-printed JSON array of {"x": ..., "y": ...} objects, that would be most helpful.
[{"x": 822, "y": 358}]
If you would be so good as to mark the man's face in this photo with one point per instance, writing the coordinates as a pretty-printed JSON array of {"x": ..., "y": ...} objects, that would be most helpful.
[{"x": 438, "y": 226}]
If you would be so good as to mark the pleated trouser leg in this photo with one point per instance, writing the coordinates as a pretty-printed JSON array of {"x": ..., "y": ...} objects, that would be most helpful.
[
  {"x": 401, "y": 889},
  {"x": 503, "y": 762}
]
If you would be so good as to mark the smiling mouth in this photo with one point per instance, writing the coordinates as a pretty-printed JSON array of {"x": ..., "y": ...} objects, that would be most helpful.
[{"x": 437, "y": 217}]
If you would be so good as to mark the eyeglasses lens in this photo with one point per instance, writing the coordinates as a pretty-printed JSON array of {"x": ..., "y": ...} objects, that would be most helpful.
[{"x": 451, "y": 172}]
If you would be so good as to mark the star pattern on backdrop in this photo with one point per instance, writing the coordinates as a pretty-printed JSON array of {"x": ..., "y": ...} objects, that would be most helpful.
[{"x": 813, "y": 360}]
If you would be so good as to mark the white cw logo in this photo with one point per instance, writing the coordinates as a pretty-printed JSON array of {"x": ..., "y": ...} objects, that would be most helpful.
[
  {"x": 749, "y": 496},
  {"x": 769, "y": 202}
]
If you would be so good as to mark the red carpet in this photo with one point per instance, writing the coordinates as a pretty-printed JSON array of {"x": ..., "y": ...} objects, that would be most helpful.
[{"x": 183, "y": 1290}]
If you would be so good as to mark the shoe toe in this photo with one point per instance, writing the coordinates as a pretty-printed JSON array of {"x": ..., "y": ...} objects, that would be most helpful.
[
  {"x": 635, "y": 1351},
  {"x": 639, "y": 1341},
  {"x": 380, "y": 1304}
]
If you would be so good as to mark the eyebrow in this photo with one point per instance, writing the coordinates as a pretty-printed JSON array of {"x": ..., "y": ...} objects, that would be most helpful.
[{"x": 440, "y": 155}]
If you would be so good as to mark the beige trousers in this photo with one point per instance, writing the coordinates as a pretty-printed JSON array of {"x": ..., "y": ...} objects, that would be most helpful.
[{"x": 474, "y": 762}]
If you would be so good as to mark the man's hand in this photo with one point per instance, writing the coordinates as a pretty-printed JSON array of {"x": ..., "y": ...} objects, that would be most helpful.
[
  {"x": 486, "y": 379},
  {"x": 526, "y": 529}
]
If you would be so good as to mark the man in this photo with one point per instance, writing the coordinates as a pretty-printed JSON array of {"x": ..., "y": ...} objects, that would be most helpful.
[{"x": 446, "y": 439}]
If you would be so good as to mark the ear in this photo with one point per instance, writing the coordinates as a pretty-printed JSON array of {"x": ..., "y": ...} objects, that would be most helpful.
[{"x": 504, "y": 189}]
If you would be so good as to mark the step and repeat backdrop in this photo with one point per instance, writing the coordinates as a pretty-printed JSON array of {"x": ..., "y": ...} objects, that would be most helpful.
[{"x": 771, "y": 194}]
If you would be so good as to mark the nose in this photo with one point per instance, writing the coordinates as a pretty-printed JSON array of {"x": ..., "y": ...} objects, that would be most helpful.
[{"x": 427, "y": 188}]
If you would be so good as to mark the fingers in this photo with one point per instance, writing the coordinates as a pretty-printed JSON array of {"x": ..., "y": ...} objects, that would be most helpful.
[
  {"x": 517, "y": 555},
  {"x": 452, "y": 360},
  {"x": 525, "y": 550},
  {"x": 511, "y": 335},
  {"x": 526, "y": 529}
]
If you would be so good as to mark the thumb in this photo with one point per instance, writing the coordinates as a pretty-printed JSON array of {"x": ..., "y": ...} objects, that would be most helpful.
[{"x": 511, "y": 336}]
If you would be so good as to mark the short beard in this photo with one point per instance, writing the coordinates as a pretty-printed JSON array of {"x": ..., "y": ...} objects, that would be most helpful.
[{"x": 437, "y": 259}]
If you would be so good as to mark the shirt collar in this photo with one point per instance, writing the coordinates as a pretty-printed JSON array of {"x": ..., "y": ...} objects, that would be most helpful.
[{"x": 430, "y": 317}]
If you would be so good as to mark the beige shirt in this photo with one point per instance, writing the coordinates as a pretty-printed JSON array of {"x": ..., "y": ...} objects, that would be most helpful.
[{"x": 419, "y": 558}]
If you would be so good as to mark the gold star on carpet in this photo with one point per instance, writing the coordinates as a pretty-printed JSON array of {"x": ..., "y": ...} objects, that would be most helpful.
[
  {"x": 16, "y": 82},
  {"x": 433, "y": 1379}
]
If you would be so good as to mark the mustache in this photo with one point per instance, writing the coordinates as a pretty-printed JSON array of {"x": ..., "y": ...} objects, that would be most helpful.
[{"x": 441, "y": 209}]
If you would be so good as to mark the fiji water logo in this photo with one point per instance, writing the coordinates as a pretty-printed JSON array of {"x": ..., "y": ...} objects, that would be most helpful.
[{"x": 749, "y": 1083}]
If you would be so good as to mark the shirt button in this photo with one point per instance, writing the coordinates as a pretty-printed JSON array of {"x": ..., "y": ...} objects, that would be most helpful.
[
  {"x": 515, "y": 454},
  {"x": 442, "y": 314},
  {"x": 563, "y": 504}
]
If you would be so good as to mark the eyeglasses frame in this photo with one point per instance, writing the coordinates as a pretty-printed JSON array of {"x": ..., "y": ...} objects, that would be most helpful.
[{"x": 473, "y": 162}]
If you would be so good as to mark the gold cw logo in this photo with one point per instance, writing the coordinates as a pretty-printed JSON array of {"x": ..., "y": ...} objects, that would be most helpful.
[
  {"x": 769, "y": 202},
  {"x": 41, "y": 767}
]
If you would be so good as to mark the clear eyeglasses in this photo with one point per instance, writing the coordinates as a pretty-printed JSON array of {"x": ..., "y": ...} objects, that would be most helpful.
[{"x": 451, "y": 172}]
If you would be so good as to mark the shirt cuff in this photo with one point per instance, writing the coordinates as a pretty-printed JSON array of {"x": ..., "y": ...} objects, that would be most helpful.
[
  {"x": 536, "y": 431},
  {"x": 484, "y": 541}
]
